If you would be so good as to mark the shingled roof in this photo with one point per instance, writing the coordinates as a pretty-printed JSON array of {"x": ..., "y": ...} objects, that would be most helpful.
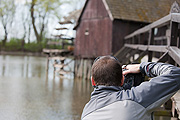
[
  {"x": 138, "y": 10},
  {"x": 146, "y": 11}
]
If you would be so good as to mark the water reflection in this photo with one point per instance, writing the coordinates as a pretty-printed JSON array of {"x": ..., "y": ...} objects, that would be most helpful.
[
  {"x": 19, "y": 66},
  {"x": 26, "y": 93}
]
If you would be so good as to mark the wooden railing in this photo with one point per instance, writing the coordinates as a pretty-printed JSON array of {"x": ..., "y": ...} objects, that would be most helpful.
[{"x": 159, "y": 39}]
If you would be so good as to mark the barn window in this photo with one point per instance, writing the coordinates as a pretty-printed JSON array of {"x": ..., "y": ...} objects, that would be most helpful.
[
  {"x": 155, "y": 31},
  {"x": 86, "y": 32}
]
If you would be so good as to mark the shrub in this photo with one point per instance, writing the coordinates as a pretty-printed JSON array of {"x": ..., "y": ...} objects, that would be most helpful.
[
  {"x": 33, "y": 47},
  {"x": 14, "y": 45},
  {"x": 19, "y": 45}
]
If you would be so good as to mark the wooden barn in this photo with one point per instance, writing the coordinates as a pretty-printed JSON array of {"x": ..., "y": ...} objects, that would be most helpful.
[{"x": 103, "y": 24}]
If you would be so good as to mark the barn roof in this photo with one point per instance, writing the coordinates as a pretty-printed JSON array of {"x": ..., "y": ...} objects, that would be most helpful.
[
  {"x": 73, "y": 15},
  {"x": 146, "y": 11},
  {"x": 139, "y": 10}
]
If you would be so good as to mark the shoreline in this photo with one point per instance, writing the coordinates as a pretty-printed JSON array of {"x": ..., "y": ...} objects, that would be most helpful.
[{"x": 20, "y": 53}]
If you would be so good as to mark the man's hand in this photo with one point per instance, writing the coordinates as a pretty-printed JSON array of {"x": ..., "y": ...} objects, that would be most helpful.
[{"x": 132, "y": 68}]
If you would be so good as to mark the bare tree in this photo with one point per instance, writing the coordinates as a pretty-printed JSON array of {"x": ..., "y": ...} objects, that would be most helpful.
[
  {"x": 7, "y": 12},
  {"x": 40, "y": 11}
]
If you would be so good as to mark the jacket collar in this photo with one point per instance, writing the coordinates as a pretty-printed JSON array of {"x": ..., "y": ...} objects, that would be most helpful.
[{"x": 105, "y": 89}]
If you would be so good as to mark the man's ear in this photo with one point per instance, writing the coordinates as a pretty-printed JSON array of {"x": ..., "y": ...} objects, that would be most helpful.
[
  {"x": 122, "y": 80},
  {"x": 92, "y": 81}
]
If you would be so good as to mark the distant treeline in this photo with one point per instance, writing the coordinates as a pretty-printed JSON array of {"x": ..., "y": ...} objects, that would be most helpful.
[
  {"x": 19, "y": 45},
  {"x": 29, "y": 19}
]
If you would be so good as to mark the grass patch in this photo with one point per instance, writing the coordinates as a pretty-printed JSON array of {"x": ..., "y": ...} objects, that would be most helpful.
[{"x": 19, "y": 45}]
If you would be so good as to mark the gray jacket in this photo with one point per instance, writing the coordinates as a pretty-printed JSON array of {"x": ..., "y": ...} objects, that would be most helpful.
[{"x": 138, "y": 103}]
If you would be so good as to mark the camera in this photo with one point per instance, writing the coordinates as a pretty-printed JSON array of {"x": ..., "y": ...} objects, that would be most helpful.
[{"x": 132, "y": 80}]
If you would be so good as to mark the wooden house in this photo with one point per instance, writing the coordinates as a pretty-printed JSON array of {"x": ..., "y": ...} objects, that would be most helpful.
[{"x": 103, "y": 24}]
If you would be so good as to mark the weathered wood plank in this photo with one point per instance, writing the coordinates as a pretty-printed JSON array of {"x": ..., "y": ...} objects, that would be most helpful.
[
  {"x": 61, "y": 28},
  {"x": 174, "y": 52},
  {"x": 65, "y": 22},
  {"x": 71, "y": 39},
  {"x": 176, "y": 102},
  {"x": 173, "y": 39},
  {"x": 123, "y": 54},
  {"x": 136, "y": 46},
  {"x": 63, "y": 72},
  {"x": 57, "y": 58},
  {"x": 58, "y": 65},
  {"x": 158, "y": 23},
  {"x": 143, "y": 47},
  {"x": 164, "y": 57},
  {"x": 54, "y": 43},
  {"x": 128, "y": 56},
  {"x": 118, "y": 52},
  {"x": 160, "y": 38},
  {"x": 54, "y": 50},
  {"x": 175, "y": 17},
  {"x": 155, "y": 48},
  {"x": 58, "y": 36},
  {"x": 133, "y": 46},
  {"x": 141, "y": 55}
]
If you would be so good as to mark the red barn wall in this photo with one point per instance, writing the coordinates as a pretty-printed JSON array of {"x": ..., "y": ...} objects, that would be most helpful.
[
  {"x": 96, "y": 21},
  {"x": 120, "y": 30}
]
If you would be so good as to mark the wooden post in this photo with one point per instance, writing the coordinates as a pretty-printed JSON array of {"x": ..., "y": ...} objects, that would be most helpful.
[
  {"x": 150, "y": 42},
  {"x": 80, "y": 71},
  {"x": 172, "y": 42},
  {"x": 174, "y": 33},
  {"x": 173, "y": 38},
  {"x": 62, "y": 63},
  {"x": 47, "y": 65},
  {"x": 76, "y": 67},
  {"x": 78, "y": 64},
  {"x": 85, "y": 69},
  {"x": 89, "y": 69},
  {"x": 75, "y": 64}
]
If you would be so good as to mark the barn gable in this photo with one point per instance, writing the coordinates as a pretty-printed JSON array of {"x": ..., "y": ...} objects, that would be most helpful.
[
  {"x": 95, "y": 29},
  {"x": 93, "y": 9}
]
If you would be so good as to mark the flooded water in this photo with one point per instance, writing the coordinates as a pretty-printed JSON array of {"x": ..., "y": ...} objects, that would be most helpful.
[{"x": 27, "y": 93}]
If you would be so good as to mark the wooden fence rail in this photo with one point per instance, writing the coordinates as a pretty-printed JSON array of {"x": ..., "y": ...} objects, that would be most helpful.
[
  {"x": 159, "y": 39},
  {"x": 150, "y": 41}
]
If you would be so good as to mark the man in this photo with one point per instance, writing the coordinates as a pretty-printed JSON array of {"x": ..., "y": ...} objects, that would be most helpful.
[{"x": 109, "y": 101}]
